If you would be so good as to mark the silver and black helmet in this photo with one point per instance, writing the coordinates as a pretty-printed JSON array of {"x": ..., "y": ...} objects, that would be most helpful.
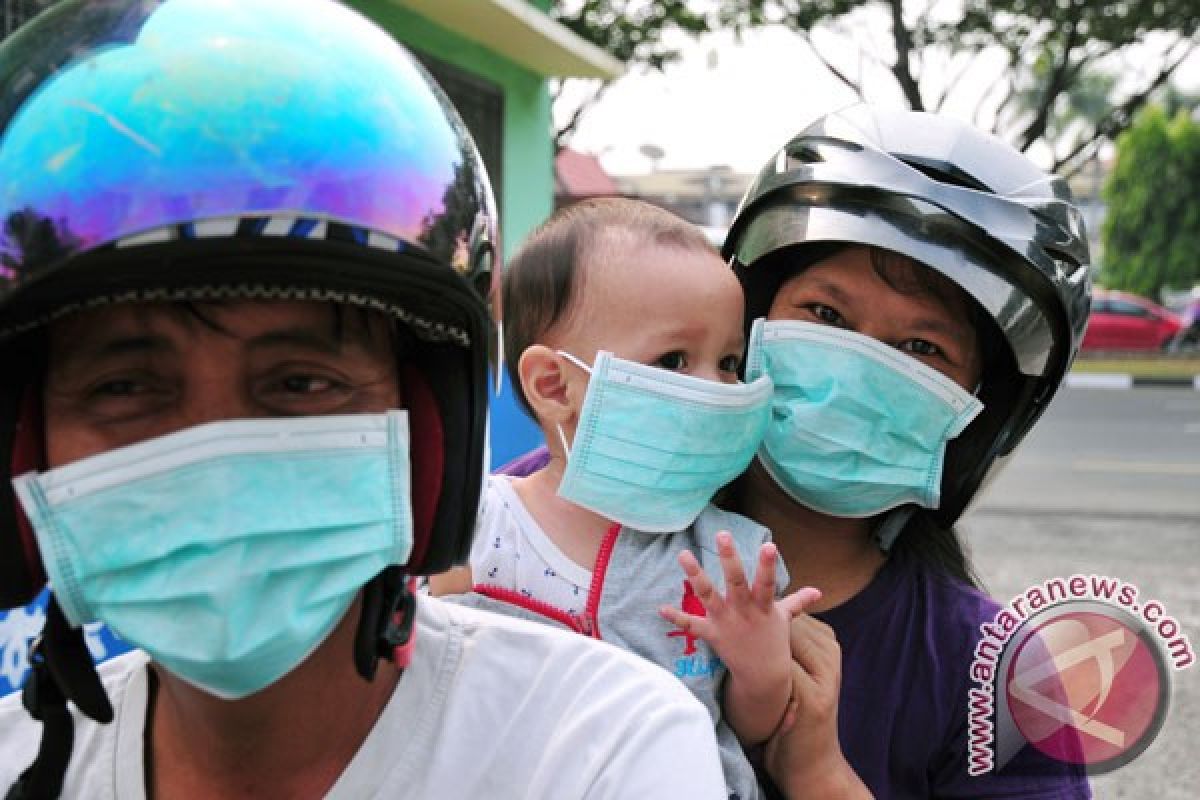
[{"x": 955, "y": 199}]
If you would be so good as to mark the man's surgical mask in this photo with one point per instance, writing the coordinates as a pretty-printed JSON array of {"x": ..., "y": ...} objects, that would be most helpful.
[
  {"x": 653, "y": 446},
  {"x": 228, "y": 551},
  {"x": 856, "y": 426}
]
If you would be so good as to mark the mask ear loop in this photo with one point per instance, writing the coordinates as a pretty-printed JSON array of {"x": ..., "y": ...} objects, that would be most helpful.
[{"x": 562, "y": 437}]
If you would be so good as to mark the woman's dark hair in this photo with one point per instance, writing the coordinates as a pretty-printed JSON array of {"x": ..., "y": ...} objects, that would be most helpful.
[
  {"x": 923, "y": 536},
  {"x": 542, "y": 281}
]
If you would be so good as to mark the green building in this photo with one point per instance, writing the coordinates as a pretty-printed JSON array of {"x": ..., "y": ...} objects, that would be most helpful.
[{"x": 493, "y": 58}]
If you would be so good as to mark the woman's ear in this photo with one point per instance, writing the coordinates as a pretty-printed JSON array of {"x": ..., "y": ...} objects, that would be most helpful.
[{"x": 544, "y": 381}]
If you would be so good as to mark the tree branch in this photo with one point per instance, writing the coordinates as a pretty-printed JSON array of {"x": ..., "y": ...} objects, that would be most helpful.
[
  {"x": 563, "y": 134},
  {"x": 902, "y": 68},
  {"x": 1059, "y": 80},
  {"x": 854, "y": 86}
]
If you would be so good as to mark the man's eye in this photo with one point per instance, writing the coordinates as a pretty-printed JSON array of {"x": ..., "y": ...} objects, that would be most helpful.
[
  {"x": 306, "y": 384},
  {"x": 920, "y": 347},
  {"x": 121, "y": 387},
  {"x": 730, "y": 363},
  {"x": 673, "y": 361}
]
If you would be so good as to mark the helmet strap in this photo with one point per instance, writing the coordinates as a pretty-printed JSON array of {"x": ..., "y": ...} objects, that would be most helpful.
[
  {"x": 386, "y": 626},
  {"x": 61, "y": 670}
]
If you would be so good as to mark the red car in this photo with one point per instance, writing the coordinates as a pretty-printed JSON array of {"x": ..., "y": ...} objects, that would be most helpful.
[{"x": 1123, "y": 321}]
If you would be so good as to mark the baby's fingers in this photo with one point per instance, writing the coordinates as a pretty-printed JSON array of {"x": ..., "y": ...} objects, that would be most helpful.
[
  {"x": 701, "y": 584},
  {"x": 763, "y": 590},
  {"x": 700, "y": 627},
  {"x": 799, "y": 600},
  {"x": 737, "y": 588}
]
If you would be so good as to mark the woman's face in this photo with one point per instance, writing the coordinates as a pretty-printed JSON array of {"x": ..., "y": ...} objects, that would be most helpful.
[{"x": 845, "y": 290}]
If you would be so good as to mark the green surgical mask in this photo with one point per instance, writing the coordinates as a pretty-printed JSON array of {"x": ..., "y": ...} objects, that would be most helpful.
[
  {"x": 227, "y": 551},
  {"x": 856, "y": 427},
  {"x": 653, "y": 446}
]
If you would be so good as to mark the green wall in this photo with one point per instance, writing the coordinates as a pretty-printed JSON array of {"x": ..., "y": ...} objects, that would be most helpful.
[{"x": 528, "y": 152}]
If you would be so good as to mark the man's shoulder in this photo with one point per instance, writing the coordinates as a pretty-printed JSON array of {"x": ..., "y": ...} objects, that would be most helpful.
[{"x": 550, "y": 652}]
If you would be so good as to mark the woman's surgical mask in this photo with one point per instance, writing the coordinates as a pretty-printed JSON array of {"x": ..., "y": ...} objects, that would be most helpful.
[
  {"x": 856, "y": 426},
  {"x": 227, "y": 551},
  {"x": 653, "y": 446}
]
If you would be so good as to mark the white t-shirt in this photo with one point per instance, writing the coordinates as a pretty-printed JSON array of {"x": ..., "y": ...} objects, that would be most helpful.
[{"x": 490, "y": 707}]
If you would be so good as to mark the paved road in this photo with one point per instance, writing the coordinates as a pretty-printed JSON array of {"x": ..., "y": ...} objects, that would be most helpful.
[
  {"x": 1128, "y": 452},
  {"x": 1109, "y": 483}
]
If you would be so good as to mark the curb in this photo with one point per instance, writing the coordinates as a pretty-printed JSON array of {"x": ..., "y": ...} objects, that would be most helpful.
[{"x": 1112, "y": 380}]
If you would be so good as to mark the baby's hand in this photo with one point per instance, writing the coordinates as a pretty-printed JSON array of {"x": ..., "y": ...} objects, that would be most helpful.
[{"x": 750, "y": 631}]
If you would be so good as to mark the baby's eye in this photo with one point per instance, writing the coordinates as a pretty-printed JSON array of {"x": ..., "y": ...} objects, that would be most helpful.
[
  {"x": 920, "y": 347},
  {"x": 731, "y": 363},
  {"x": 826, "y": 314},
  {"x": 674, "y": 361}
]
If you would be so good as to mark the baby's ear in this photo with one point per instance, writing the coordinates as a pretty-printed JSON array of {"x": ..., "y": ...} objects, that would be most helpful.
[{"x": 544, "y": 381}]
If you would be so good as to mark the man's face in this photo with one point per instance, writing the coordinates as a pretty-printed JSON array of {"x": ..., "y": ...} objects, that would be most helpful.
[{"x": 120, "y": 375}]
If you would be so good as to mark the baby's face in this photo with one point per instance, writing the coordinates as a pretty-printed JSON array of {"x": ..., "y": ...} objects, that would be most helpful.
[{"x": 670, "y": 307}]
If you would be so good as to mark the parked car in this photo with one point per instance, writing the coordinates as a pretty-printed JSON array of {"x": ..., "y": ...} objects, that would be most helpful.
[
  {"x": 1123, "y": 321},
  {"x": 1188, "y": 338}
]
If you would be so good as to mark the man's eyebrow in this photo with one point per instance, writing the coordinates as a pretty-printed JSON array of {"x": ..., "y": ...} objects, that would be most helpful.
[
  {"x": 322, "y": 341},
  {"x": 103, "y": 349}
]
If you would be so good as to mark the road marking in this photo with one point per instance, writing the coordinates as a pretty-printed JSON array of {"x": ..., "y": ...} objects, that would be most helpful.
[
  {"x": 1099, "y": 380},
  {"x": 1136, "y": 467}
]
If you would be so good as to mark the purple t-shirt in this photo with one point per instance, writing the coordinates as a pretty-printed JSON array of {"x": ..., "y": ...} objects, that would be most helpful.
[{"x": 907, "y": 643}]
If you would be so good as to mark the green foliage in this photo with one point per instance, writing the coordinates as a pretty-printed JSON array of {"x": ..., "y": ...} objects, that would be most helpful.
[
  {"x": 632, "y": 30},
  {"x": 1151, "y": 231}
]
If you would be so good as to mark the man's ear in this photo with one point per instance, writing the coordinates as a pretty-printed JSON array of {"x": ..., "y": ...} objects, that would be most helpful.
[{"x": 544, "y": 381}]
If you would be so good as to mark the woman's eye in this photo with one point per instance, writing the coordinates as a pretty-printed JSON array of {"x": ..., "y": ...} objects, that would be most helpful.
[
  {"x": 673, "y": 361},
  {"x": 920, "y": 347},
  {"x": 730, "y": 364},
  {"x": 826, "y": 314}
]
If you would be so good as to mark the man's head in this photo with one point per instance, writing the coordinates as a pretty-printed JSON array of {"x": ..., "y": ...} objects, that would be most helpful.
[
  {"x": 623, "y": 276},
  {"x": 234, "y": 236},
  {"x": 199, "y": 155}
]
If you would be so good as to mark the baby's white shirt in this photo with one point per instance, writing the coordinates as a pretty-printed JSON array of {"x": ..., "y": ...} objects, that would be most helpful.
[{"x": 511, "y": 551}]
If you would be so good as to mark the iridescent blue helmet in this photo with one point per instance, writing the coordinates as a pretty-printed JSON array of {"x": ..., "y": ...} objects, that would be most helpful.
[{"x": 191, "y": 150}]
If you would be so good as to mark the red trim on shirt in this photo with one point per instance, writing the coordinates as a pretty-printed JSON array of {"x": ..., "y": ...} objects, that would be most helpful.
[{"x": 586, "y": 623}]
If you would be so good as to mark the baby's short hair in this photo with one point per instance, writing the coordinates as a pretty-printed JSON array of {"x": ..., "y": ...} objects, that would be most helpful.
[{"x": 542, "y": 281}]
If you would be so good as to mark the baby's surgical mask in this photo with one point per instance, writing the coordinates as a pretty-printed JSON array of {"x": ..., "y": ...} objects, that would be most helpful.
[
  {"x": 653, "y": 446},
  {"x": 856, "y": 426},
  {"x": 227, "y": 551}
]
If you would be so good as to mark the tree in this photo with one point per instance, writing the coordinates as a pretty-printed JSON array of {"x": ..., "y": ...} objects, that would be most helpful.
[
  {"x": 633, "y": 31},
  {"x": 1151, "y": 231},
  {"x": 1048, "y": 50}
]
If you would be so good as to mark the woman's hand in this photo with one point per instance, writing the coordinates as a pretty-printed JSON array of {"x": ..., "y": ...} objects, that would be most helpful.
[{"x": 804, "y": 757}]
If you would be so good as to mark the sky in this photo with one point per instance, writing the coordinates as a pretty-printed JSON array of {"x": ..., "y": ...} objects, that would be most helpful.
[{"x": 734, "y": 103}]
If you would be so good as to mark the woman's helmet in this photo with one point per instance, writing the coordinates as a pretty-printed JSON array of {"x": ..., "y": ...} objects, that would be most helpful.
[
  {"x": 958, "y": 200},
  {"x": 194, "y": 150}
]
